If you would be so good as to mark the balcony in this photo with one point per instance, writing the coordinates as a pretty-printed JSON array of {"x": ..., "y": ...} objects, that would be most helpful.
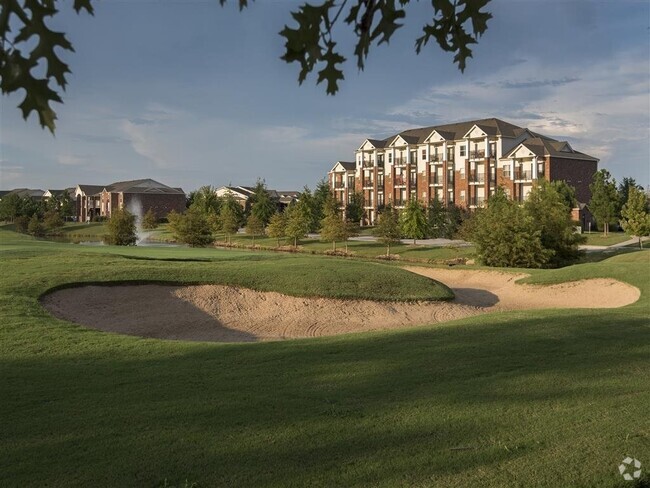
[
  {"x": 523, "y": 175},
  {"x": 450, "y": 179},
  {"x": 367, "y": 183},
  {"x": 434, "y": 179},
  {"x": 475, "y": 177},
  {"x": 367, "y": 164},
  {"x": 435, "y": 158},
  {"x": 400, "y": 181},
  {"x": 338, "y": 185},
  {"x": 477, "y": 154},
  {"x": 400, "y": 162},
  {"x": 400, "y": 203},
  {"x": 413, "y": 182}
]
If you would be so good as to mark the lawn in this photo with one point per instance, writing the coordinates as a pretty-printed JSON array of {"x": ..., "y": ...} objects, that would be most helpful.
[
  {"x": 599, "y": 239},
  {"x": 551, "y": 398}
]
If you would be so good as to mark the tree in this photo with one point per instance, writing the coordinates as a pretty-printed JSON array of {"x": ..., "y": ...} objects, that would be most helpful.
[
  {"x": 191, "y": 228},
  {"x": 567, "y": 192},
  {"x": 262, "y": 205},
  {"x": 205, "y": 200},
  {"x": 635, "y": 217},
  {"x": 149, "y": 220},
  {"x": 624, "y": 189},
  {"x": 333, "y": 227},
  {"x": 505, "y": 235},
  {"x": 254, "y": 226},
  {"x": 455, "y": 26},
  {"x": 298, "y": 222},
  {"x": 10, "y": 207},
  {"x": 228, "y": 221},
  {"x": 354, "y": 209},
  {"x": 387, "y": 229},
  {"x": 22, "y": 223},
  {"x": 552, "y": 217},
  {"x": 52, "y": 221},
  {"x": 413, "y": 221},
  {"x": 277, "y": 227},
  {"x": 121, "y": 228},
  {"x": 322, "y": 195},
  {"x": 35, "y": 227},
  {"x": 436, "y": 218},
  {"x": 604, "y": 199}
]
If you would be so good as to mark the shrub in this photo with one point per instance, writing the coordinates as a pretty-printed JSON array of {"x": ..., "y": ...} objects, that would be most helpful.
[
  {"x": 21, "y": 223},
  {"x": 191, "y": 228},
  {"x": 149, "y": 220},
  {"x": 35, "y": 227},
  {"x": 121, "y": 228},
  {"x": 53, "y": 221}
]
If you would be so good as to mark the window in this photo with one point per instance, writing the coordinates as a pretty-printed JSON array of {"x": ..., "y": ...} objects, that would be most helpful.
[
  {"x": 424, "y": 154},
  {"x": 462, "y": 195},
  {"x": 390, "y": 157},
  {"x": 463, "y": 151},
  {"x": 414, "y": 156}
]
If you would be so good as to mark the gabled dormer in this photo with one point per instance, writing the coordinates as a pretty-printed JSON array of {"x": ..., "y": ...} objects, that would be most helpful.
[
  {"x": 342, "y": 166},
  {"x": 436, "y": 137},
  {"x": 479, "y": 132}
]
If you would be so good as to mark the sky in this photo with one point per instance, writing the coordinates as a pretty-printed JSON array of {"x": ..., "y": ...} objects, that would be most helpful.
[{"x": 190, "y": 93}]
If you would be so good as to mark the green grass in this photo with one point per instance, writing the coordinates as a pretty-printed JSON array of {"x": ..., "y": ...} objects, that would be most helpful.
[
  {"x": 599, "y": 239},
  {"x": 549, "y": 398}
]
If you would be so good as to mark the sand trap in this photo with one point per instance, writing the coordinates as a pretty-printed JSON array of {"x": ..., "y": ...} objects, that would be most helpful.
[{"x": 229, "y": 314}]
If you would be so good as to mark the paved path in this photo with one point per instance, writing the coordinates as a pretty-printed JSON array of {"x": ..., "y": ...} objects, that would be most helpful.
[{"x": 629, "y": 242}]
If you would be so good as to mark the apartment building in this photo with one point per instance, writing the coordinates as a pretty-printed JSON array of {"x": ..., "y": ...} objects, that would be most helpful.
[{"x": 461, "y": 163}]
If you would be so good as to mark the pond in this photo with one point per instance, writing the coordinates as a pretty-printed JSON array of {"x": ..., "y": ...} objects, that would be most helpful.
[{"x": 92, "y": 241}]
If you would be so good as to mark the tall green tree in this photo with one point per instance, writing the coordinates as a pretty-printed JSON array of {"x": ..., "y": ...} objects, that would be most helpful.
[
  {"x": 262, "y": 205},
  {"x": 436, "y": 218},
  {"x": 567, "y": 192},
  {"x": 298, "y": 222},
  {"x": 604, "y": 202},
  {"x": 277, "y": 228},
  {"x": 551, "y": 214},
  {"x": 388, "y": 229},
  {"x": 322, "y": 194},
  {"x": 635, "y": 218},
  {"x": 455, "y": 25},
  {"x": 354, "y": 209},
  {"x": 206, "y": 201},
  {"x": 149, "y": 220},
  {"x": 624, "y": 188},
  {"x": 121, "y": 228},
  {"x": 413, "y": 221},
  {"x": 506, "y": 236},
  {"x": 52, "y": 221},
  {"x": 10, "y": 207}
]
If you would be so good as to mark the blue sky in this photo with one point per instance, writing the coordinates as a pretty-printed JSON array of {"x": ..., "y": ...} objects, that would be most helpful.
[{"x": 191, "y": 94}]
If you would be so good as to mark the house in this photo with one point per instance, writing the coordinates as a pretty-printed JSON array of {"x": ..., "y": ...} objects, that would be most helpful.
[
  {"x": 137, "y": 196},
  {"x": 243, "y": 193},
  {"x": 36, "y": 195},
  {"x": 461, "y": 163}
]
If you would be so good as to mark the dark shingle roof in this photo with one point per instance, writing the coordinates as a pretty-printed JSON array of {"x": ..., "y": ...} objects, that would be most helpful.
[
  {"x": 142, "y": 186},
  {"x": 542, "y": 146},
  {"x": 91, "y": 189}
]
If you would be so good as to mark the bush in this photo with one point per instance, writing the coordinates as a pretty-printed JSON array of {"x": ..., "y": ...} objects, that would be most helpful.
[
  {"x": 21, "y": 223},
  {"x": 149, "y": 220},
  {"x": 53, "y": 221},
  {"x": 35, "y": 227},
  {"x": 191, "y": 228},
  {"x": 121, "y": 229}
]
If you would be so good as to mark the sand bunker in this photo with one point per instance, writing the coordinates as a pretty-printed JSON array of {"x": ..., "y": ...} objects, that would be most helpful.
[{"x": 229, "y": 314}]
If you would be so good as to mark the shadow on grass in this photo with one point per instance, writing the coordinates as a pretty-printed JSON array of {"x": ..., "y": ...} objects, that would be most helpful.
[{"x": 400, "y": 409}]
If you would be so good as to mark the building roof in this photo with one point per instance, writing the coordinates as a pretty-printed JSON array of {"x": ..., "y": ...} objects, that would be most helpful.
[
  {"x": 36, "y": 194},
  {"x": 542, "y": 146},
  {"x": 90, "y": 189},
  {"x": 146, "y": 185}
]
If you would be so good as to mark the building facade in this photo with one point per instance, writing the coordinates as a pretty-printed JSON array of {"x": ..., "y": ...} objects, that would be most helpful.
[
  {"x": 137, "y": 196},
  {"x": 461, "y": 164}
]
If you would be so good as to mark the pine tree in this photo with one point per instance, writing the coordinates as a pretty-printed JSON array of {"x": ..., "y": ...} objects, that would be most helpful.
[
  {"x": 333, "y": 227},
  {"x": 354, "y": 209},
  {"x": 191, "y": 228},
  {"x": 35, "y": 227},
  {"x": 53, "y": 221},
  {"x": 262, "y": 205},
  {"x": 277, "y": 227},
  {"x": 413, "y": 221},
  {"x": 635, "y": 217},
  {"x": 228, "y": 221}
]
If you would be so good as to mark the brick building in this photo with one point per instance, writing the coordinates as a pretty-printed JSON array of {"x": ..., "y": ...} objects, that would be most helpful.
[
  {"x": 137, "y": 196},
  {"x": 460, "y": 164}
]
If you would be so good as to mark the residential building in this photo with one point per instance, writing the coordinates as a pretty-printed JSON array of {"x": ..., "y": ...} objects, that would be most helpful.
[
  {"x": 138, "y": 196},
  {"x": 242, "y": 194},
  {"x": 34, "y": 194},
  {"x": 461, "y": 163}
]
